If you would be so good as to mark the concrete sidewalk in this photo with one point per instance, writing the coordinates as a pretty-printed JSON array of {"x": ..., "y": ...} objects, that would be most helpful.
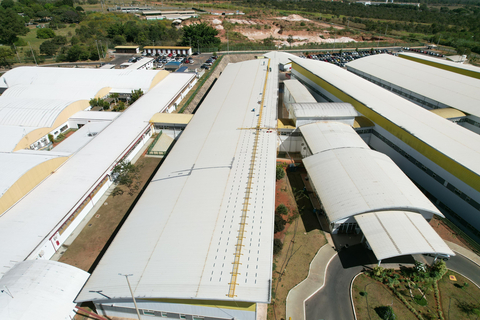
[
  {"x": 295, "y": 304},
  {"x": 464, "y": 252}
]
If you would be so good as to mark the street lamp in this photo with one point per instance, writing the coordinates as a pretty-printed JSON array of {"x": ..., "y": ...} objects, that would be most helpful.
[{"x": 131, "y": 292}]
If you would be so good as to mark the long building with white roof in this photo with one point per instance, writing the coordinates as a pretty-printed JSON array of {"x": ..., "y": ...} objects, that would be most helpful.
[
  {"x": 438, "y": 155},
  {"x": 199, "y": 242},
  {"x": 427, "y": 86},
  {"x": 464, "y": 69}
]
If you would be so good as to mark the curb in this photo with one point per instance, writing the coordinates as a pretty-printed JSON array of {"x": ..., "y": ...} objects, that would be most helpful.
[{"x": 351, "y": 295}]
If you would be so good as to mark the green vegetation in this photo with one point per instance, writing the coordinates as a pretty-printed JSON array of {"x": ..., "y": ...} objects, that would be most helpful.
[
  {"x": 45, "y": 33},
  {"x": 98, "y": 102},
  {"x": 280, "y": 223},
  {"x": 136, "y": 94},
  {"x": 6, "y": 55},
  {"x": 200, "y": 34},
  {"x": 277, "y": 246},
  {"x": 280, "y": 172},
  {"x": 126, "y": 177},
  {"x": 282, "y": 209}
]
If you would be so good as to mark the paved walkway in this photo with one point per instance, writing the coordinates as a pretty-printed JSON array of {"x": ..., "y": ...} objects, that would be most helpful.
[{"x": 295, "y": 303}]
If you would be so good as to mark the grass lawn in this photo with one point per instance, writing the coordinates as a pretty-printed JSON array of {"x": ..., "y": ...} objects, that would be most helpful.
[
  {"x": 35, "y": 42},
  {"x": 291, "y": 265},
  {"x": 459, "y": 301}
]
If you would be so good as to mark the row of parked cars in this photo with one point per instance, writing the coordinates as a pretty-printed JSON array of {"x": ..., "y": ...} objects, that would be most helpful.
[
  {"x": 430, "y": 53},
  {"x": 340, "y": 59},
  {"x": 208, "y": 63}
]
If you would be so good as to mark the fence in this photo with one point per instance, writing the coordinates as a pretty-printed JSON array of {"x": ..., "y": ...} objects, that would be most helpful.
[
  {"x": 251, "y": 48},
  {"x": 200, "y": 84},
  {"x": 150, "y": 152}
]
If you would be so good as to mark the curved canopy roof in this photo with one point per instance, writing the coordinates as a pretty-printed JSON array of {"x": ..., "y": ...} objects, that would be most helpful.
[
  {"x": 40, "y": 288},
  {"x": 326, "y": 110},
  {"x": 398, "y": 233},
  {"x": 328, "y": 135},
  {"x": 353, "y": 181}
]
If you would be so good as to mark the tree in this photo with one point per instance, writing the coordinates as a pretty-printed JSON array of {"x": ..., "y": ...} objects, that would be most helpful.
[
  {"x": 280, "y": 172},
  {"x": 277, "y": 246},
  {"x": 45, "y": 33},
  {"x": 11, "y": 26},
  {"x": 279, "y": 223},
  {"x": 201, "y": 33},
  {"x": 73, "y": 54},
  {"x": 125, "y": 176},
  {"x": 6, "y": 54},
  {"x": 136, "y": 94},
  {"x": 8, "y": 4},
  {"x": 290, "y": 40},
  {"x": 282, "y": 209},
  {"x": 48, "y": 48},
  {"x": 268, "y": 42},
  {"x": 118, "y": 40}
]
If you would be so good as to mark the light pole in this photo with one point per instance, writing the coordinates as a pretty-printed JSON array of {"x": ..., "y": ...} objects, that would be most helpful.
[
  {"x": 198, "y": 46},
  {"x": 228, "y": 48},
  {"x": 131, "y": 292}
]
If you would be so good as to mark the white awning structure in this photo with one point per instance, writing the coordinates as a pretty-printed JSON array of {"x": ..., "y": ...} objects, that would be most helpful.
[
  {"x": 322, "y": 110},
  {"x": 397, "y": 233},
  {"x": 37, "y": 289},
  {"x": 327, "y": 135},
  {"x": 353, "y": 181}
]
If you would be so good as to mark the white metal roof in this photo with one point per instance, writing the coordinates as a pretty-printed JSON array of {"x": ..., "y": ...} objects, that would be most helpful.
[
  {"x": 353, "y": 181},
  {"x": 15, "y": 165},
  {"x": 140, "y": 63},
  {"x": 79, "y": 77},
  {"x": 298, "y": 91},
  {"x": 449, "y": 88},
  {"x": 425, "y": 57},
  {"x": 11, "y": 135},
  {"x": 95, "y": 115},
  {"x": 280, "y": 57},
  {"x": 327, "y": 135},
  {"x": 35, "y": 217},
  {"x": 397, "y": 233},
  {"x": 452, "y": 140},
  {"x": 81, "y": 137},
  {"x": 179, "y": 241},
  {"x": 40, "y": 289},
  {"x": 326, "y": 110}
]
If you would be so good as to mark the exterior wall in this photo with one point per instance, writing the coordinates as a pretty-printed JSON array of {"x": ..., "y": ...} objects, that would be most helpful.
[
  {"x": 176, "y": 102},
  {"x": 302, "y": 121},
  {"x": 471, "y": 123},
  {"x": 167, "y": 310},
  {"x": 73, "y": 218},
  {"x": 292, "y": 143}
]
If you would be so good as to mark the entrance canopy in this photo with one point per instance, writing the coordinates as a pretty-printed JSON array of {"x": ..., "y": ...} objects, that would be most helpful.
[{"x": 397, "y": 233}]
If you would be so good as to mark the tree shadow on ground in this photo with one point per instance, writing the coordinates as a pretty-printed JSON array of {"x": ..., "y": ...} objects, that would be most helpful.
[{"x": 305, "y": 207}]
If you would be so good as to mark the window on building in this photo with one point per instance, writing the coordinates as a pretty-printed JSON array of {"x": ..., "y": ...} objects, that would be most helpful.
[{"x": 149, "y": 313}]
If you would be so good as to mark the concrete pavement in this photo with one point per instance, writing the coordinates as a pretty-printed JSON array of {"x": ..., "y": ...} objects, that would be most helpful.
[{"x": 295, "y": 304}]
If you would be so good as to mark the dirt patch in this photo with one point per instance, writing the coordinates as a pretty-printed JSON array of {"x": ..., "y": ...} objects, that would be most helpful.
[
  {"x": 446, "y": 233},
  {"x": 291, "y": 265},
  {"x": 85, "y": 249},
  {"x": 293, "y": 17}
]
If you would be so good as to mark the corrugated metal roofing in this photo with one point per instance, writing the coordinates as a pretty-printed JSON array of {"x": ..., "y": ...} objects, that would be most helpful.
[
  {"x": 448, "y": 113},
  {"x": 15, "y": 165},
  {"x": 328, "y": 135},
  {"x": 452, "y": 140},
  {"x": 353, "y": 181},
  {"x": 449, "y": 88},
  {"x": 327, "y": 110},
  {"x": 441, "y": 61},
  {"x": 397, "y": 233},
  {"x": 171, "y": 118},
  {"x": 140, "y": 63},
  {"x": 95, "y": 115},
  {"x": 180, "y": 239},
  {"x": 298, "y": 91},
  {"x": 34, "y": 218},
  {"x": 40, "y": 288},
  {"x": 280, "y": 57}
]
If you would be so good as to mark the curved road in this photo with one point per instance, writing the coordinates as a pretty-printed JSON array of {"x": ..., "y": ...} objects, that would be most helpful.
[{"x": 333, "y": 301}]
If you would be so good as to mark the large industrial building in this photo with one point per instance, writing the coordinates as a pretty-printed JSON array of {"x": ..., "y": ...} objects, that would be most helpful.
[
  {"x": 438, "y": 155},
  {"x": 46, "y": 194},
  {"x": 427, "y": 86},
  {"x": 198, "y": 244}
]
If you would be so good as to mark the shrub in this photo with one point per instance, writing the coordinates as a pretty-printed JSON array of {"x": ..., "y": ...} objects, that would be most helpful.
[
  {"x": 279, "y": 223},
  {"x": 282, "y": 209},
  {"x": 277, "y": 246},
  {"x": 45, "y": 33},
  {"x": 280, "y": 173},
  {"x": 386, "y": 313}
]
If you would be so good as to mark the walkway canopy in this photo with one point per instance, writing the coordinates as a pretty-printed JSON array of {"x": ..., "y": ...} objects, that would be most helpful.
[{"x": 398, "y": 233}]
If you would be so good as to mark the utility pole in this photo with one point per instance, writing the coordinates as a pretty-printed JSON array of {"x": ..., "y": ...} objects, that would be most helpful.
[
  {"x": 98, "y": 51},
  {"x": 33, "y": 54},
  {"x": 228, "y": 48},
  {"x": 131, "y": 292}
]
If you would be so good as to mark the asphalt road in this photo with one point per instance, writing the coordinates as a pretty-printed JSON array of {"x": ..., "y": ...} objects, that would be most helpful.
[{"x": 333, "y": 301}]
